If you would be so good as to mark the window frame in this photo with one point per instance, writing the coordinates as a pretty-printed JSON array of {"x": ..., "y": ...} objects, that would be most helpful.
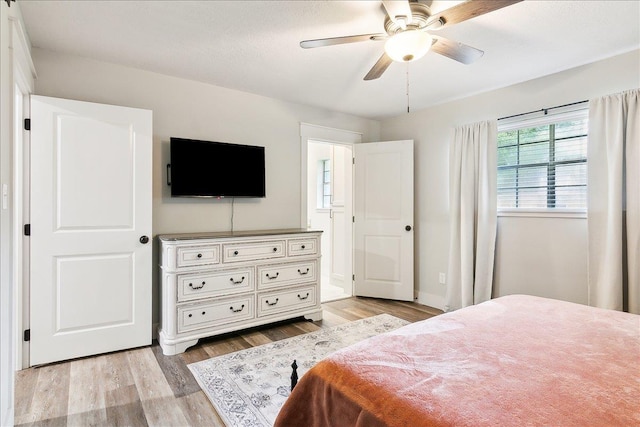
[
  {"x": 324, "y": 168},
  {"x": 544, "y": 118}
]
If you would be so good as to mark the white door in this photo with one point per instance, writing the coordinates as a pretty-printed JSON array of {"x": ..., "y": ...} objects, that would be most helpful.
[
  {"x": 383, "y": 242},
  {"x": 341, "y": 214},
  {"x": 90, "y": 271}
]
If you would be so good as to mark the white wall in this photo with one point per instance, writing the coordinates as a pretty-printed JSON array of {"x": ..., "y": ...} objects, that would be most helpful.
[
  {"x": 555, "y": 263},
  {"x": 196, "y": 110},
  {"x": 542, "y": 256}
]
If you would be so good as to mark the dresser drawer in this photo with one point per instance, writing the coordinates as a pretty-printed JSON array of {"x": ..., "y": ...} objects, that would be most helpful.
[
  {"x": 298, "y": 247},
  {"x": 271, "y": 276},
  {"x": 215, "y": 313},
  {"x": 276, "y": 302},
  {"x": 252, "y": 251},
  {"x": 198, "y": 255},
  {"x": 215, "y": 283}
]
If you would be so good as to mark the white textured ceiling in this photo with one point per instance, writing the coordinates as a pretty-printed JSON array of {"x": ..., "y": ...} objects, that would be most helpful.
[{"x": 253, "y": 46}]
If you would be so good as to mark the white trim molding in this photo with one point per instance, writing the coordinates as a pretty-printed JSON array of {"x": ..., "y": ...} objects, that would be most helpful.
[
  {"x": 20, "y": 44},
  {"x": 542, "y": 213},
  {"x": 327, "y": 134},
  {"x": 17, "y": 71},
  {"x": 432, "y": 300}
]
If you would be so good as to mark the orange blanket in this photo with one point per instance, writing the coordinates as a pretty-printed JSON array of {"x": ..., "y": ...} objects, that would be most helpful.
[{"x": 513, "y": 361}]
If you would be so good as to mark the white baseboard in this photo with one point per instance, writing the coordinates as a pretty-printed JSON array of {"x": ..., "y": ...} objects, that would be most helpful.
[{"x": 432, "y": 300}]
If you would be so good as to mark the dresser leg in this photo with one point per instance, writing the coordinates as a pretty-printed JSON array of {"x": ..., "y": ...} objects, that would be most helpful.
[
  {"x": 171, "y": 349},
  {"x": 314, "y": 317}
]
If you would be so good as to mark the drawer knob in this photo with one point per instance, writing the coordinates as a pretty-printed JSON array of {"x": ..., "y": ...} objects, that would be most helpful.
[
  {"x": 272, "y": 303},
  {"x": 273, "y": 277},
  {"x": 275, "y": 249},
  {"x": 197, "y": 287},
  {"x": 204, "y": 312},
  {"x": 303, "y": 246},
  {"x": 302, "y": 273},
  {"x": 199, "y": 255},
  {"x": 190, "y": 315},
  {"x": 237, "y": 310},
  {"x": 304, "y": 297},
  {"x": 235, "y": 252},
  {"x": 237, "y": 282}
]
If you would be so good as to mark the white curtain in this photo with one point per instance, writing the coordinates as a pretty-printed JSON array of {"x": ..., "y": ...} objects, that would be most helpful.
[
  {"x": 613, "y": 214},
  {"x": 473, "y": 213}
]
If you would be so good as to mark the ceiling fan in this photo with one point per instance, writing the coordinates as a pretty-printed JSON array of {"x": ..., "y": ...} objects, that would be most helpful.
[{"x": 408, "y": 24}]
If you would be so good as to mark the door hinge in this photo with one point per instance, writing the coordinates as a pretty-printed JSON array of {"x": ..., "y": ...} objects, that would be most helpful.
[
  {"x": 27, "y": 229},
  {"x": 353, "y": 219},
  {"x": 353, "y": 160},
  {"x": 353, "y": 277},
  {"x": 27, "y": 335},
  {"x": 27, "y": 124}
]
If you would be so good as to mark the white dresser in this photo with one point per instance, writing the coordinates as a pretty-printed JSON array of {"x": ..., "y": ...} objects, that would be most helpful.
[{"x": 213, "y": 283}]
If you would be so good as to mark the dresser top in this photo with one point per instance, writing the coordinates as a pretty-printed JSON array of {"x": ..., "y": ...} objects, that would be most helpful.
[{"x": 223, "y": 234}]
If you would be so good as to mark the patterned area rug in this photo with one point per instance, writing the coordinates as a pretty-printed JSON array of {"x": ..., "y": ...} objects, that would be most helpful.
[{"x": 248, "y": 387}]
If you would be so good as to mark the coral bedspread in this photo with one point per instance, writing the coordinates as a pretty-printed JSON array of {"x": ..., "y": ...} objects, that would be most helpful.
[{"x": 512, "y": 361}]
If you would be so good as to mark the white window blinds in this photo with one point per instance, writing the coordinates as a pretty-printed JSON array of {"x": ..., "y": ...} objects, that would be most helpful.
[{"x": 542, "y": 162}]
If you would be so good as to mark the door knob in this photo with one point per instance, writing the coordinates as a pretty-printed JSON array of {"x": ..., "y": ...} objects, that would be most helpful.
[
  {"x": 144, "y": 240},
  {"x": 408, "y": 228}
]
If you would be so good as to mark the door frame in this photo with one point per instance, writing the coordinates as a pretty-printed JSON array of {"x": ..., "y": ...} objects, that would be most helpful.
[
  {"x": 20, "y": 200},
  {"x": 322, "y": 134},
  {"x": 18, "y": 75},
  {"x": 22, "y": 81}
]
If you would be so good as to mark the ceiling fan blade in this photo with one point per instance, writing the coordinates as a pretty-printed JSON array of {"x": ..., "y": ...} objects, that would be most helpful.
[
  {"x": 455, "y": 50},
  {"x": 307, "y": 44},
  {"x": 469, "y": 9},
  {"x": 379, "y": 67},
  {"x": 399, "y": 11}
]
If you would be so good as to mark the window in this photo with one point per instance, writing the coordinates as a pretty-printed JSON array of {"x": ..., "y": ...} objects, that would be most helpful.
[
  {"x": 324, "y": 181},
  {"x": 542, "y": 163}
]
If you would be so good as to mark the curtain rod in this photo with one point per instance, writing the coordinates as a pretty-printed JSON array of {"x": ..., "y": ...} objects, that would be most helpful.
[{"x": 545, "y": 110}]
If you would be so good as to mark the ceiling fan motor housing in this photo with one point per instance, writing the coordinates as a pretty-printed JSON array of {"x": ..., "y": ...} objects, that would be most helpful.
[{"x": 420, "y": 14}]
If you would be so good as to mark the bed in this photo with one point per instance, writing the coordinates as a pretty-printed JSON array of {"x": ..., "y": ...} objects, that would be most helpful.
[{"x": 512, "y": 361}]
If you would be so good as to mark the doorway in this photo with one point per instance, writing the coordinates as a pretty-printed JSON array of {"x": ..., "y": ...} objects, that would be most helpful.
[
  {"x": 331, "y": 212},
  {"x": 330, "y": 209},
  {"x": 385, "y": 167}
]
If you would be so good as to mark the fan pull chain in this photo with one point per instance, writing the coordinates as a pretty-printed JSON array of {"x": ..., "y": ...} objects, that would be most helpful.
[{"x": 408, "y": 110}]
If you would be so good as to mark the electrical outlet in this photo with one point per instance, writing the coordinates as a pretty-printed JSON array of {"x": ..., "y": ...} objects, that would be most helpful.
[{"x": 442, "y": 279}]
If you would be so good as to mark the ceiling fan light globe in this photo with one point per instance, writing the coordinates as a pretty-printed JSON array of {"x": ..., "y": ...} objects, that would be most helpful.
[{"x": 409, "y": 45}]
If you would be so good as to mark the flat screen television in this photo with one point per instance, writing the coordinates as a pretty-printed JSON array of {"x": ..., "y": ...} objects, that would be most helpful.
[{"x": 215, "y": 169}]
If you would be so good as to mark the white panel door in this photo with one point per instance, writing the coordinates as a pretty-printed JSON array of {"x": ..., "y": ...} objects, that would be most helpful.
[
  {"x": 383, "y": 242},
  {"x": 90, "y": 272}
]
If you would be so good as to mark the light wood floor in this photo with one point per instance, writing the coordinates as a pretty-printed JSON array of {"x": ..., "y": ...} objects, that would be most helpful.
[{"x": 143, "y": 387}]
